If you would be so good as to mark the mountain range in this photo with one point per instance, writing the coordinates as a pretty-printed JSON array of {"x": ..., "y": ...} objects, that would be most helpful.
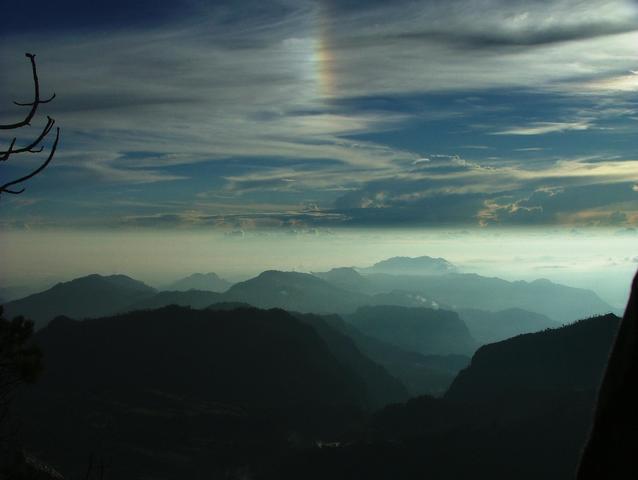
[
  {"x": 461, "y": 291},
  {"x": 492, "y": 308}
]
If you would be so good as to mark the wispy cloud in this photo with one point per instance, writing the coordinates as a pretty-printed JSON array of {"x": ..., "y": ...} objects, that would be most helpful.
[
  {"x": 542, "y": 128},
  {"x": 616, "y": 83},
  {"x": 310, "y": 103}
]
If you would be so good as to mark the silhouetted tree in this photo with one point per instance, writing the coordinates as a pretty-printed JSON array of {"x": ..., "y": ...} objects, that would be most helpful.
[
  {"x": 20, "y": 362},
  {"x": 34, "y": 146}
]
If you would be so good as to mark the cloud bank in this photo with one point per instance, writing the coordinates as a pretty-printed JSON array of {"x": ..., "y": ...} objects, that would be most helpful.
[{"x": 363, "y": 111}]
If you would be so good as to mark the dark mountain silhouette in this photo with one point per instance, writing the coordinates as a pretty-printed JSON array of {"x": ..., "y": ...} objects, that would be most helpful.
[
  {"x": 611, "y": 449},
  {"x": 160, "y": 348},
  {"x": 180, "y": 393},
  {"x": 421, "y": 330},
  {"x": 294, "y": 291},
  {"x": 411, "y": 266},
  {"x": 458, "y": 291},
  {"x": 381, "y": 387},
  {"x": 190, "y": 298},
  {"x": 521, "y": 410},
  {"x": 489, "y": 327},
  {"x": 569, "y": 358},
  {"x": 200, "y": 281},
  {"x": 90, "y": 296},
  {"x": 228, "y": 306}
]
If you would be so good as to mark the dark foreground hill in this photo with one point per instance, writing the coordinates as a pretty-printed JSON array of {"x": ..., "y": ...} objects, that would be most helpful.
[
  {"x": 522, "y": 410},
  {"x": 570, "y": 358},
  {"x": 422, "y": 330},
  {"x": 180, "y": 393},
  {"x": 90, "y": 296}
]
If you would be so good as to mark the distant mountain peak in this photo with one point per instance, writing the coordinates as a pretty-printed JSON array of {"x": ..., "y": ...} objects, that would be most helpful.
[
  {"x": 89, "y": 296},
  {"x": 344, "y": 277},
  {"x": 423, "y": 265},
  {"x": 344, "y": 271},
  {"x": 210, "y": 282},
  {"x": 286, "y": 277},
  {"x": 117, "y": 280},
  {"x": 198, "y": 275},
  {"x": 296, "y": 291}
]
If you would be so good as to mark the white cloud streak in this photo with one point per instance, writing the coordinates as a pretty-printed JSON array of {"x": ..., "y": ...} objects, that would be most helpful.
[{"x": 542, "y": 128}]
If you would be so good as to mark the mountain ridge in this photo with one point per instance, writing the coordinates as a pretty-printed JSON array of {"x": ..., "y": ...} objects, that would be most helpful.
[
  {"x": 200, "y": 281},
  {"x": 89, "y": 296},
  {"x": 423, "y": 265}
]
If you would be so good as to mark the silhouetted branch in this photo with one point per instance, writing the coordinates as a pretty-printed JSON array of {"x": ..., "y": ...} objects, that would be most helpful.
[
  {"x": 35, "y": 146},
  {"x": 29, "y": 148},
  {"x": 4, "y": 188},
  {"x": 36, "y": 99}
]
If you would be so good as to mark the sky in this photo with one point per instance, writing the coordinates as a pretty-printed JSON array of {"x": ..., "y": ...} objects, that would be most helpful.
[{"x": 304, "y": 118}]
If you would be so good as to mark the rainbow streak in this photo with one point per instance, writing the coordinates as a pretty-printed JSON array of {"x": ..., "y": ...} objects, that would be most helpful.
[{"x": 324, "y": 57}]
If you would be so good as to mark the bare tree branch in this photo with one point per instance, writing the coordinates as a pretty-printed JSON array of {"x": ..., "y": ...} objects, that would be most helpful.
[
  {"x": 34, "y": 146},
  {"x": 29, "y": 148},
  {"x": 36, "y": 99},
  {"x": 4, "y": 188}
]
